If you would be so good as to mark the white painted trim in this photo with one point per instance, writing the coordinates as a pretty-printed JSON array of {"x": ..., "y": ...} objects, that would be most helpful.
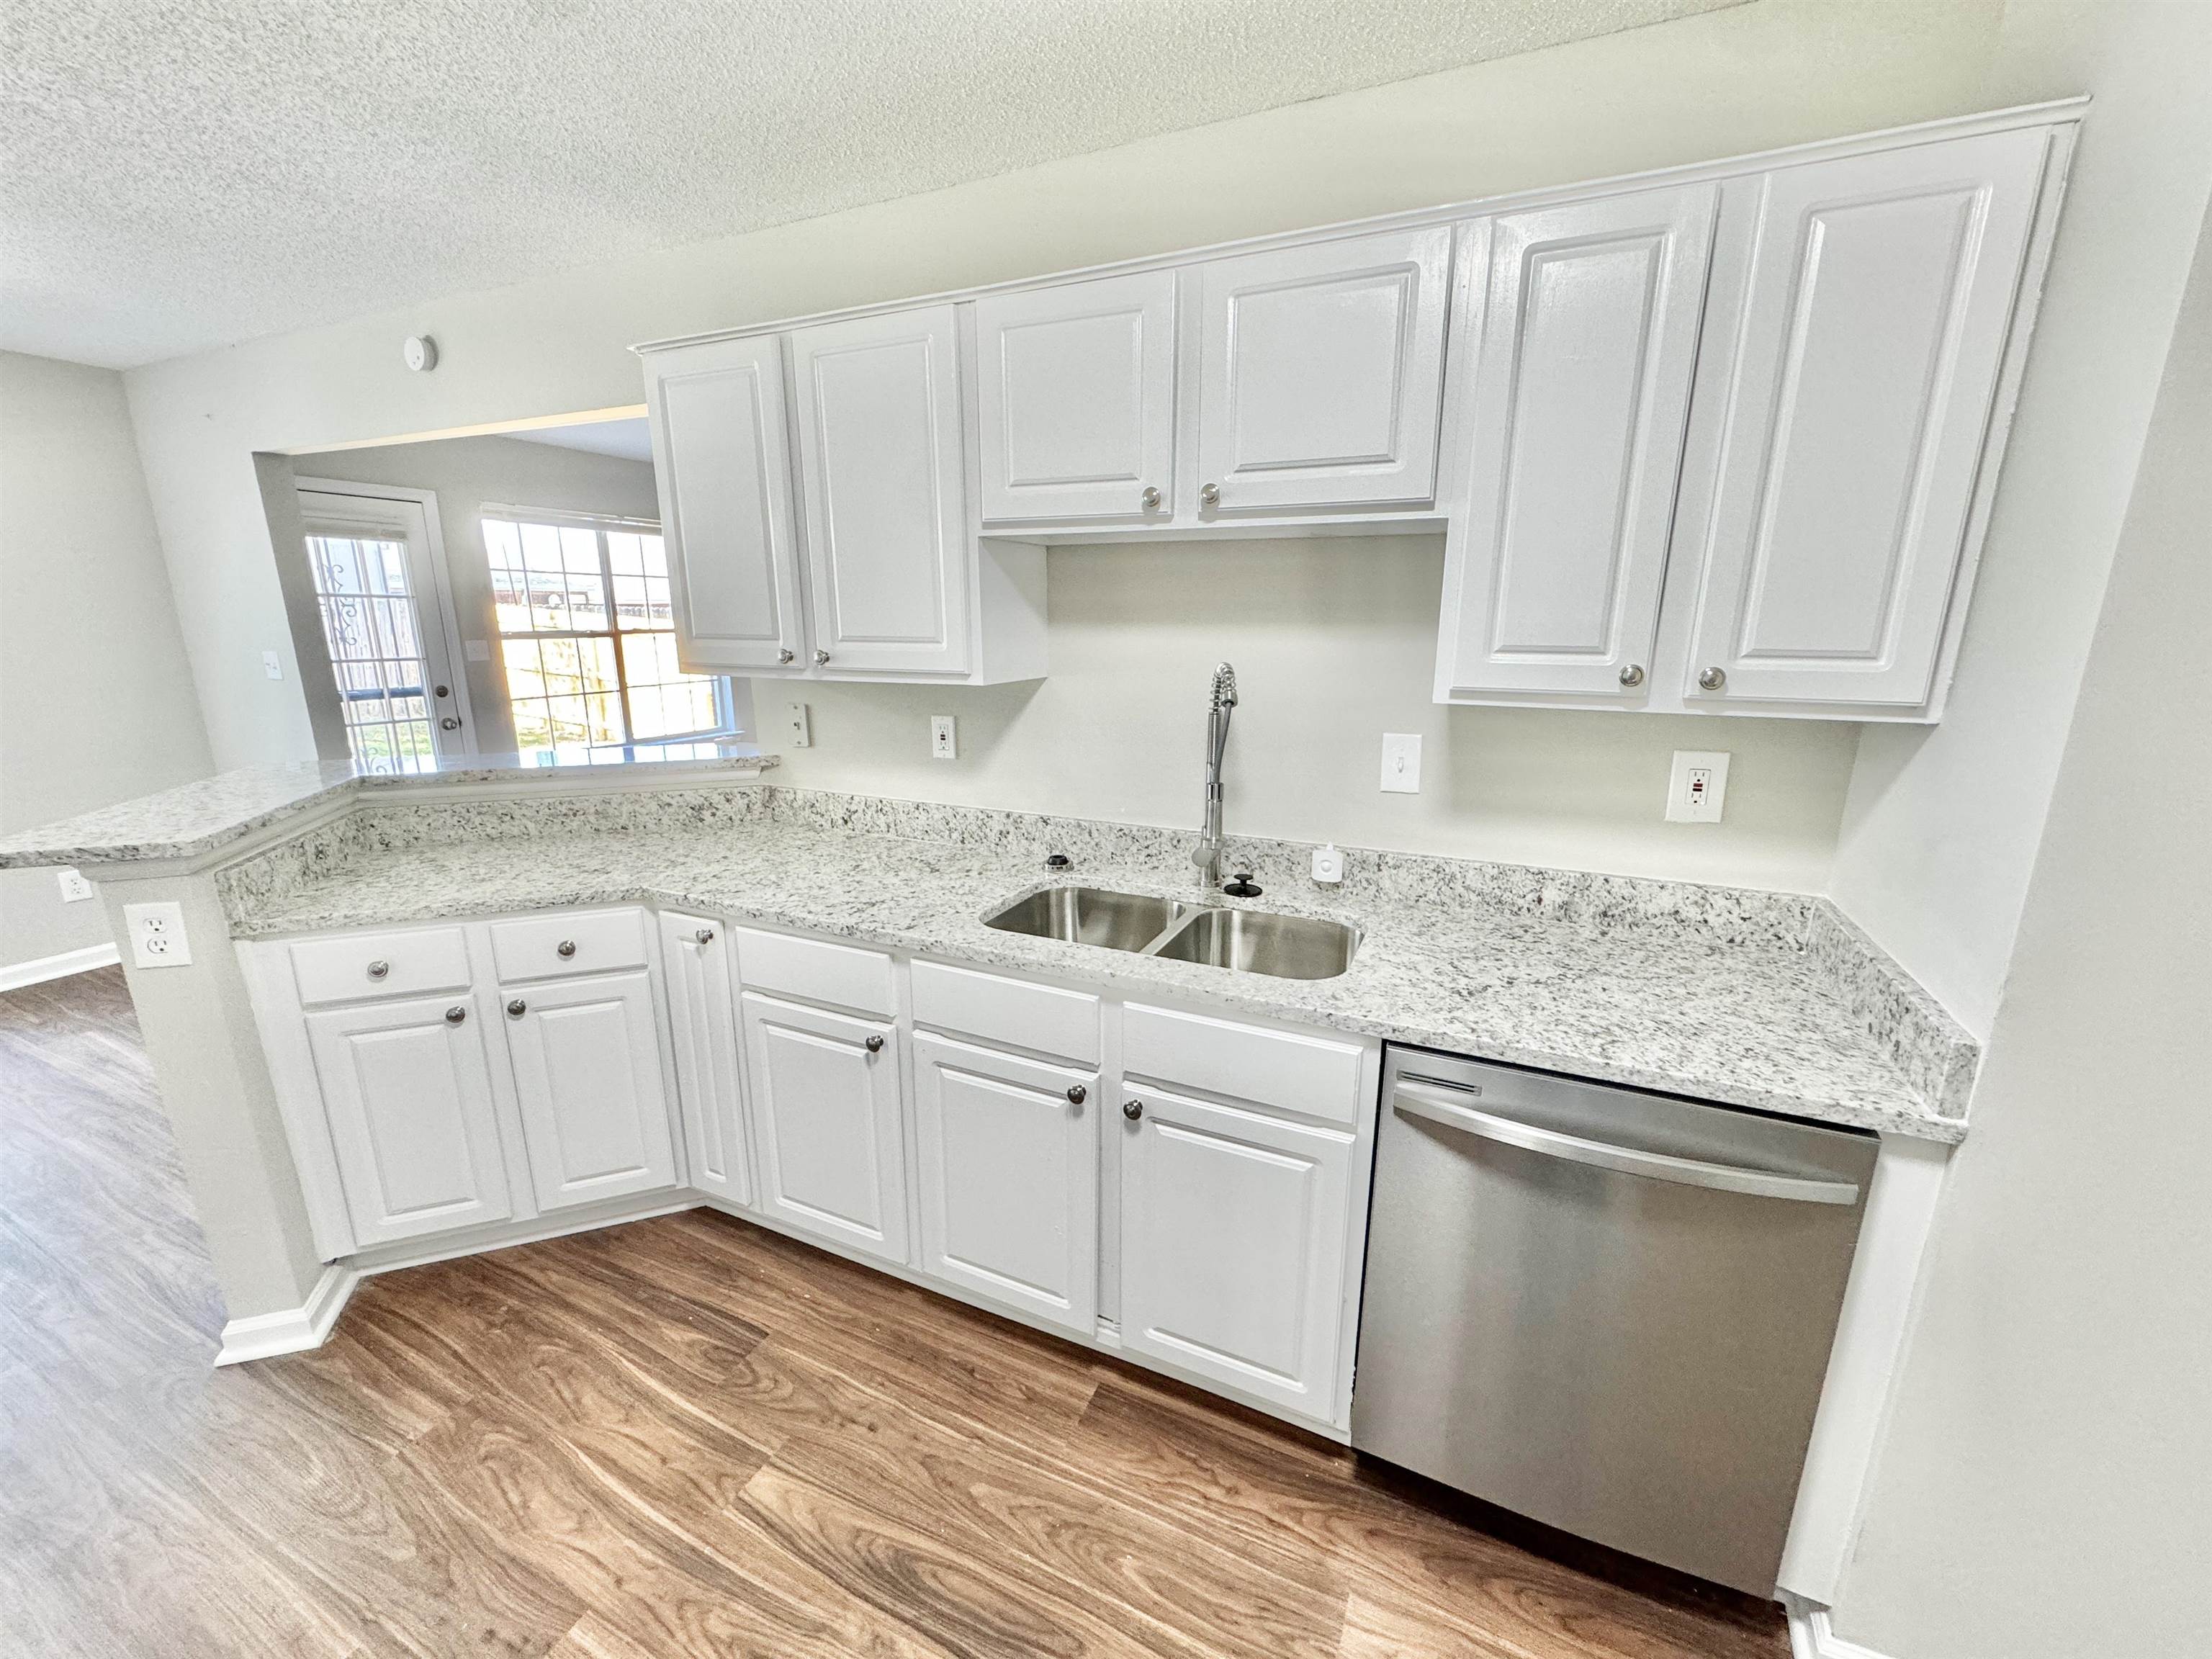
[
  {"x": 1870, "y": 1335},
  {"x": 39, "y": 969},
  {"x": 2053, "y": 113},
  {"x": 289, "y": 1330},
  {"x": 1812, "y": 1636}
]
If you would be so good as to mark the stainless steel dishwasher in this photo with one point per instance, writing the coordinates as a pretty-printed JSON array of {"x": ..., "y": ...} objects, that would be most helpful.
[{"x": 1606, "y": 1310}]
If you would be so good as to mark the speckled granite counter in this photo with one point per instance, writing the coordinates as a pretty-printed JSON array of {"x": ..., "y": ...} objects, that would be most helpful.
[{"x": 1767, "y": 1000}]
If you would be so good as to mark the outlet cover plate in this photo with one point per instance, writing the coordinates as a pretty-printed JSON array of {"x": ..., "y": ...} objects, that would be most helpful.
[
  {"x": 799, "y": 730},
  {"x": 944, "y": 737},
  {"x": 75, "y": 888},
  {"x": 1697, "y": 788},
  {"x": 157, "y": 935}
]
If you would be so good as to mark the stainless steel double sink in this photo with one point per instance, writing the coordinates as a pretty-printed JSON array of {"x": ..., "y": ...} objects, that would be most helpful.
[{"x": 1243, "y": 941}]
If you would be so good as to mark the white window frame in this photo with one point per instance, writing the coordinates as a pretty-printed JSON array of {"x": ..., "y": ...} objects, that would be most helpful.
[
  {"x": 377, "y": 504},
  {"x": 727, "y": 729}
]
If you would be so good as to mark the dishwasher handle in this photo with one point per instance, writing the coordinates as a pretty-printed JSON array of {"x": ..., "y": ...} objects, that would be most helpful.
[{"x": 1435, "y": 1104}]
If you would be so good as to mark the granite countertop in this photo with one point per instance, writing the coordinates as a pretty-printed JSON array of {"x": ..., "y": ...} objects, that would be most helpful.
[
  {"x": 1752, "y": 1023},
  {"x": 194, "y": 819}
]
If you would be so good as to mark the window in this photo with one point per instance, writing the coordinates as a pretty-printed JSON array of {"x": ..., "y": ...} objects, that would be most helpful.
[
  {"x": 374, "y": 633},
  {"x": 588, "y": 636}
]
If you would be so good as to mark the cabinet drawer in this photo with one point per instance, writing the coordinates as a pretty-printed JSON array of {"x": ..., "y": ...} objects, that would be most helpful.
[
  {"x": 1040, "y": 1017},
  {"x": 596, "y": 942},
  {"x": 362, "y": 965},
  {"x": 1314, "y": 1076},
  {"x": 838, "y": 974}
]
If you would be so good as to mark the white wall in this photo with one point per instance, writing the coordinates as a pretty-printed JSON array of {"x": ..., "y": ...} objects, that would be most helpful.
[
  {"x": 96, "y": 701},
  {"x": 466, "y": 473},
  {"x": 1569, "y": 787},
  {"x": 2045, "y": 1491},
  {"x": 1941, "y": 826}
]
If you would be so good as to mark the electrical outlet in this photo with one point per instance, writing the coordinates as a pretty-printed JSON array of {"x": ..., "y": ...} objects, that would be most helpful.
[
  {"x": 798, "y": 730},
  {"x": 944, "y": 740},
  {"x": 157, "y": 935},
  {"x": 1698, "y": 788},
  {"x": 74, "y": 887},
  {"x": 272, "y": 665},
  {"x": 1402, "y": 764}
]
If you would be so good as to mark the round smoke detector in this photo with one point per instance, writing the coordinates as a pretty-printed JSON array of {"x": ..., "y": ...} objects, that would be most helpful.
[{"x": 420, "y": 353}]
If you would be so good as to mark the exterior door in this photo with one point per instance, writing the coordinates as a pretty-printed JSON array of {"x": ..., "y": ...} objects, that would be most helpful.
[
  {"x": 376, "y": 560},
  {"x": 885, "y": 491},
  {"x": 1322, "y": 373},
  {"x": 1858, "y": 396},
  {"x": 407, "y": 1089},
  {"x": 702, "y": 1024},
  {"x": 720, "y": 461},
  {"x": 1233, "y": 1245},
  {"x": 828, "y": 1123},
  {"x": 1075, "y": 406},
  {"x": 1010, "y": 1178},
  {"x": 587, "y": 1076},
  {"x": 1588, "y": 337}
]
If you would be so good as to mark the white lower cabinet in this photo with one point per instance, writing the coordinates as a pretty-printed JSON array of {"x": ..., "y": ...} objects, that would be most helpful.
[
  {"x": 588, "y": 1078},
  {"x": 828, "y": 1123},
  {"x": 703, "y": 1029},
  {"x": 407, "y": 1095},
  {"x": 1009, "y": 1160},
  {"x": 1234, "y": 1245}
]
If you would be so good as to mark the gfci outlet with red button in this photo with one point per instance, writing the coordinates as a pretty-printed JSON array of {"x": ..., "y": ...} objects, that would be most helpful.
[{"x": 1697, "y": 786}]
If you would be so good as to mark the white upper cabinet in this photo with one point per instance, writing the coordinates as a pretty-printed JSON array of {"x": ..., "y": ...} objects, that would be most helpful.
[
  {"x": 724, "y": 473},
  {"x": 884, "y": 488},
  {"x": 1581, "y": 326},
  {"x": 1860, "y": 378},
  {"x": 1321, "y": 374},
  {"x": 1075, "y": 401}
]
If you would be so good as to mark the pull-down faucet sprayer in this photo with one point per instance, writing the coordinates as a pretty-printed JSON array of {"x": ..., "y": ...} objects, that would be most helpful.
[{"x": 1207, "y": 854}]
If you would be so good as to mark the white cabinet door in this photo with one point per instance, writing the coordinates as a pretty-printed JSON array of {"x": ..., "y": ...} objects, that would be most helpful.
[
  {"x": 1587, "y": 320},
  {"x": 702, "y": 1025},
  {"x": 408, "y": 1091},
  {"x": 885, "y": 491},
  {"x": 1233, "y": 1227},
  {"x": 724, "y": 472},
  {"x": 828, "y": 1123},
  {"x": 1009, "y": 1155},
  {"x": 587, "y": 1076},
  {"x": 1075, "y": 400},
  {"x": 1863, "y": 371},
  {"x": 1322, "y": 373}
]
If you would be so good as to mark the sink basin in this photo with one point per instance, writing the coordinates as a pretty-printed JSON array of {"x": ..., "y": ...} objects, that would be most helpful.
[
  {"x": 1091, "y": 915},
  {"x": 1261, "y": 942}
]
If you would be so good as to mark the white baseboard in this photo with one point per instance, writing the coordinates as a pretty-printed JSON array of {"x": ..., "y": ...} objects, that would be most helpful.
[
  {"x": 37, "y": 971},
  {"x": 288, "y": 1330},
  {"x": 1812, "y": 1636}
]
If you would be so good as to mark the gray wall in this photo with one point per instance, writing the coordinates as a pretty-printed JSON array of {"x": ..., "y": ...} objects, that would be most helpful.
[
  {"x": 2045, "y": 1490},
  {"x": 96, "y": 698}
]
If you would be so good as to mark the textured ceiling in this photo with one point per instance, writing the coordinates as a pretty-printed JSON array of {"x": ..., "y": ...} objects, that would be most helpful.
[
  {"x": 629, "y": 441},
  {"x": 178, "y": 174}
]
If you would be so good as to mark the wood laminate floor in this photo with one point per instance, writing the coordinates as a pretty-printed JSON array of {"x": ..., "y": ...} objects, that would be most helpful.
[{"x": 681, "y": 1437}]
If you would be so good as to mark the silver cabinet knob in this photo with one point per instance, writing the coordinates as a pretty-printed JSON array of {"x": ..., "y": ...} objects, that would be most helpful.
[
  {"x": 705, "y": 936},
  {"x": 1712, "y": 680},
  {"x": 518, "y": 1007},
  {"x": 1132, "y": 1109},
  {"x": 1210, "y": 496},
  {"x": 456, "y": 1014},
  {"x": 787, "y": 654},
  {"x": 874, "y": 1045},
  {"x": 378, "y": 968},
  {"x": 1632, "y": 676},
  {"x": 566, "y": 947},
  {"x": 1150, "y": 498},
  {"x": 821, "y": 657},
  {"x": 1077, "y": 1094}
]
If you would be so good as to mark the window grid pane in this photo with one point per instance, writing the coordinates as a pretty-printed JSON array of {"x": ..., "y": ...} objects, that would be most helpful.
[{"x": 373, "y": 634}]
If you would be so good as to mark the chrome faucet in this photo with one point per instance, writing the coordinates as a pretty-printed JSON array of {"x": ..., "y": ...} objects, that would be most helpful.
[{"x": 1207, "y": 854}]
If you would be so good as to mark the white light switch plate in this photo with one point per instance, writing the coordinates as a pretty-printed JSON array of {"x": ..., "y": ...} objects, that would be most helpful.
[
  {"x": 272, "y": 665},
  {"x": 74, "y": 887},
  {"x": 1402, "y": 764},
  {"x": 944, "y": 737},
  {"x": 798, "y": 730},
  {"x": 1698, "y": 788},
  {"x": 157, "y": 935}
]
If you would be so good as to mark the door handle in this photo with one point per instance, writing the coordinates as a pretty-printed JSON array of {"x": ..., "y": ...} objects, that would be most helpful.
[{"x": 1422, "y": 1101}]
